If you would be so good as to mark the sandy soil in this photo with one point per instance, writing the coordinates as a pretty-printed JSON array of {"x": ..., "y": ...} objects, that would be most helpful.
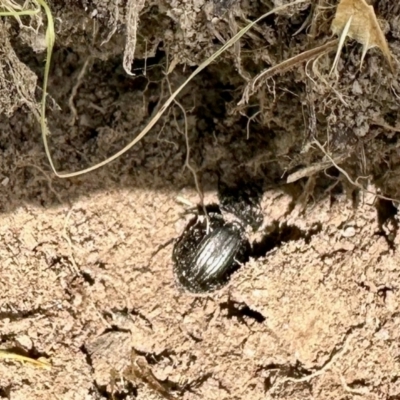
[{"x": 86, "y": 263}]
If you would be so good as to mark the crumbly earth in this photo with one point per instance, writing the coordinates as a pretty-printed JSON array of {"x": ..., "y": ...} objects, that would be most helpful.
[{"x": 85, "y": 263}]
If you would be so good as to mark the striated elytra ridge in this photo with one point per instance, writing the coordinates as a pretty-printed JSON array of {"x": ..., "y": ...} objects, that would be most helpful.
[{"x": 215, "y": 245}]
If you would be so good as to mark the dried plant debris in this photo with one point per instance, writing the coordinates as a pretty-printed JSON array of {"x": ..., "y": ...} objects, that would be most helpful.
[
  {"x": 17, "y": 81},
  {"x": 140, "y": 371},
  {"x": 113, "y": 357},
  {"x": 9, "y": 355},
  {"x": 256, "y": 83},
  {"x": 110, "y": 351},
  {"x": 133, "y": 9},
  {"x": 357, "y": 20}
]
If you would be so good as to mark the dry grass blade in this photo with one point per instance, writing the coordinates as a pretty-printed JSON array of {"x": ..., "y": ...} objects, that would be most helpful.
[
  {"x": 284, "y": 66},
  {"x": 342, "y": 39},
  {"x": 357, "y": 19},
  {"x": 7, "y": 355},
  {"x": 165, "y": 106},
  {"x": 133, "y": 9}
]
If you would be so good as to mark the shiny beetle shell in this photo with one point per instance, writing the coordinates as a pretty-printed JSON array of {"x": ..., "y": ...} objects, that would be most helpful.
[
  {"x": 204, "y": 261},
  {"x": 242, "y": 201}
]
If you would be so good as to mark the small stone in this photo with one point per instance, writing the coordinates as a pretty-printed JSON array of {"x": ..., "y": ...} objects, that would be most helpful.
[
  {"x": 25, "y": 342},
  {"x": 348, "y": 232}
]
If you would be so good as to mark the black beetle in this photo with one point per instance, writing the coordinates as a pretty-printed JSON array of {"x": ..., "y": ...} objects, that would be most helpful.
[
  {"x": 214, "y": 243},
  {"x": 208, "y": 252},
  {"x": 242, "y": 201}
]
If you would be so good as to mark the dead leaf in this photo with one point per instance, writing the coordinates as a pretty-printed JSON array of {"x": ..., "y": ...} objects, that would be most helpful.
[{"x": 357, "y": 20}]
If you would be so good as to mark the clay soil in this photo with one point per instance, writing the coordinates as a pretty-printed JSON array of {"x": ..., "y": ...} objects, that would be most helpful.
[{"x": 85, "y": 263}]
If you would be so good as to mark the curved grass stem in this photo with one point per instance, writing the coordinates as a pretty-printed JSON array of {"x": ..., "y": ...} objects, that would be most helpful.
[{"x": 50, "y": 39}]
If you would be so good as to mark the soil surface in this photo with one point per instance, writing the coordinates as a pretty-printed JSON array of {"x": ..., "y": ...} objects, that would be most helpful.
[{"x": 86, "y": 268}]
